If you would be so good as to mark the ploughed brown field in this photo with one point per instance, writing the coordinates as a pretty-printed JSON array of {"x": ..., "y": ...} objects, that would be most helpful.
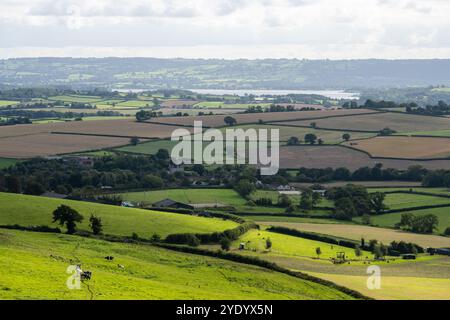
[
  {"x": 404, "y": 147},
  {"x": 243, "y": 118},
  {"x": 356, "y": 232},
  {"x": 46, "y": 144},
  {"x": 177, "y": 103},
  {"x": 376, "y": 122},
  {"x": 120, "y": 128},
  {"x": 293, "y": 157}
]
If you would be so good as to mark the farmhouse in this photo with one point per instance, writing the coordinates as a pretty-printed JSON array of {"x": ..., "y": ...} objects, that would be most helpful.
[{"x": 169, "y": 203}]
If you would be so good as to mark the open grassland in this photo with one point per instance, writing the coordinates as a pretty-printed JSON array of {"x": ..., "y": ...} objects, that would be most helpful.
[
  {"x": 30, "y": 210},
  {"x": 6, "y": 103},
  {"x": 329, "y": 137},
  {"x": 290, "y": 246},
  {"x": 405, "y": 147},
  {"x": 403, "y": 200},
  {"x": 381, "y": 185},
  {"x": 390, "y": 219},
  {"x": 220, "y": 196},
  {"x": 438, "y": 133},
  {"x": 375, "y": 122},
  {"x": 170, "y": 103},
  {"x": 394, "y": 288},
  {"x": 135, "y": 104},
  {"x": 150, "y": 147},
  {"x": 34, "y": 267},
  {"x": 246, "y": 118},
  {"x": 76, "y": 98},
  {"x": 274, "y": 195},
  {"x": 292, "y": 157},
  {"x": 221, "y": 104},
  {"x": 356, "y": 232},
  {"x": 45, "y": 144},
  {"x": 266, "y": 220},
  {"x": 444, "y": 191}
]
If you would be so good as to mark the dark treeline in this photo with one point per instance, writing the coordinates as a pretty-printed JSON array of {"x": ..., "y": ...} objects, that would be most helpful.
[
  {"x": 45, "y": 114},
  {"x": 441, "y": 108}
]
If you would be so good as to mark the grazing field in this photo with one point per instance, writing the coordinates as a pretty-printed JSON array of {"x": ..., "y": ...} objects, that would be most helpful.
[
  {"x": 31, "y": 210},
  {"x": 356, "y": 232},
  {"x": 390, "y": 219},
  {"x": 376, "y": 122},
  {"x": 76, "y": 98},
  {"x": 403, "y": 200},
  {"x": 171, "y": 103},
  {"x": 6, "y": 103},
  {"x": 381, "y": 185},
  {"x": 135, "y": 104},
  {"x": 45, "y": 144},
  {"x": 221, "y": 104},
  {"x": 438, "y": 133},
  {"x": 290, "y": 246},
  {"x": 264, "y": 219},
  {"x": 445, "y": 191},
  {"x": 246, "y": 118},
  {"x": 394, "y": 287},
  {"x": 194, "y": 196},
  {"x": 150, "y": 147},
  {"x": 34, "y": 267},
  {"x": 329, "y": 137},
  {"x": 293, "y": 157},
  {"x": 404, "y": 147}
]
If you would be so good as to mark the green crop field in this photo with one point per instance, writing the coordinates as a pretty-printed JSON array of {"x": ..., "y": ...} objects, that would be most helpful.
[
  {"x": 390, "y": 219},
  {"x": 403, "y": 200},
  {"x": 34, "y": 267},
  {"x": 290, "y": 246},
  {"x": 151, "y": 147},
  {"x": 30, "y": 210},
  {"x": 76, "y": 98},
  {"x": 134, "y": 104},
  {"x": 445, "y": 191},
  {"x": 264, "y": 219},
  {"x": 5, "y": 163},
  {"x": 5, "y": 103}
]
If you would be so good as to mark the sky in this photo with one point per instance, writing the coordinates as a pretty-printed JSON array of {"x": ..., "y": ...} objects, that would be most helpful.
[{"x": 229, "y": 29}]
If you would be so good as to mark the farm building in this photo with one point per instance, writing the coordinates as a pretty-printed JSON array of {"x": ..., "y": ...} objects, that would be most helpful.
[{"x": 169, "y": 203}]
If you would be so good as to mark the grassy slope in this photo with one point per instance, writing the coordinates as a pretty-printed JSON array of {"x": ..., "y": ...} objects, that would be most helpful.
[
  {"x": 30, "y": 272},
  {"x": 5, "y": 163},
  {"x": 31, "y": 210}
]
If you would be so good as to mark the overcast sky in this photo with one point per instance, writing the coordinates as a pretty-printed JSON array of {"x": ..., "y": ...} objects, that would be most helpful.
[{"x": 315, "y": 29}]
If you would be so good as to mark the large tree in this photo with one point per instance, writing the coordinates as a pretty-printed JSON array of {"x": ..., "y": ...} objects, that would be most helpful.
[{"x": 65, "y": 215}]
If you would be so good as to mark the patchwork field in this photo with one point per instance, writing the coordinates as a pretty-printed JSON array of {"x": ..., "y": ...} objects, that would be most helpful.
[
  {"x": 356, "y": 232},
  {"x": 45, "y": 144},
  {"x": 376, "y": 122},
  {"x": 336, "y": 156},
  {"x": 390, "y": 219},
  {"x": 404, "y": 147},
  {"x": 403, "y": 200},
  {"x": 34, "y": 267},
  {"x": 76, "y": 98},
  {"x": 217, "y": 121},
  {"x": 6, "y": 103},
  {"x": 438, "y": 133},
  {"x": 329, "y": 137},
  {"x": 30, "y": 210}
]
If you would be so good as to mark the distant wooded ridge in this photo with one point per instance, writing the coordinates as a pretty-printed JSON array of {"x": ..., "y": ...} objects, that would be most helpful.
[{"x": 153, "y": 73}]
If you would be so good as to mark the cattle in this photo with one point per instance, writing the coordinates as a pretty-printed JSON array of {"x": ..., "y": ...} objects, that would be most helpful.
[
  {"x": 121, "y": 266},
  {"x": 86, "y": 275},
  {"x": 109, "y": 258}
]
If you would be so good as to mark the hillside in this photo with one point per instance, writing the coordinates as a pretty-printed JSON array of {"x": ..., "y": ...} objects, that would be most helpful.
[
  {"x": 30, "y": 210},
  {"x": 151, "y": 73},
  {"x": 34, "y": 267}
]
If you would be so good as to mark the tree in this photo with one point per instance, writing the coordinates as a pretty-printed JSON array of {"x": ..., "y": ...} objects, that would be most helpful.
[
  {"x": 284, "y": 201},
  {"x": 268, "y": 243},
  {"x": 293, "y": 141},
  {"x": 346, "y": 136},
  {"x": 447, "y": 231},
  {"x": 143, "y": 115},
  {"x": 230, "y": 121},
  {"x": 96, "y": 224},
  {"x": 225, "y": 244},
  {"x": 318, "y": 252},
  {"x": 316, "y": 198},
  {"x": 65, "y": 215},
  {"x": 34, "y": 188},
  {"x": 313, "y": 125},
  {"x": 306, "y": 202},
  {"x": 320, "y": 141},
  {"x": 366, "y": 219},
  {"x": 134, "y": 141},
  {"x": 310, "y": 138},
  {"x": 152, "y": 181},
  {"x": 244, "y": 187},
  {"x": 344, "y": 209},
  {"x": 377, "y": 202},
  {"x": 358, "y": 251}
]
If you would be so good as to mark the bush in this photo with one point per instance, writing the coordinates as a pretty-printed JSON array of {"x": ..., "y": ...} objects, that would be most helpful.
[
  {"x": 447, "y": 231},
  {"x": 183, "y": 238}
]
